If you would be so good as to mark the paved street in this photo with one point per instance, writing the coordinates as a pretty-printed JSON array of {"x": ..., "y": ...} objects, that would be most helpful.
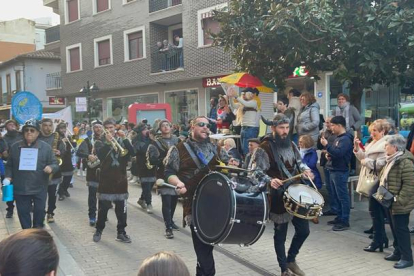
[{"x": 324, "y": 253}]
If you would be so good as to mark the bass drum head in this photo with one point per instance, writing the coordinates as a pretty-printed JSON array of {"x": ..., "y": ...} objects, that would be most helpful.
[
  {"x": 305, "y": 194},
  {"x": 213, "y": 207}
]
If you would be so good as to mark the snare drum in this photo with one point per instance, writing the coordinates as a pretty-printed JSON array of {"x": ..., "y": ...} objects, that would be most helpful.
[
  {"x": 303, "y": 201},
  {"x": 222, "y": 215}
]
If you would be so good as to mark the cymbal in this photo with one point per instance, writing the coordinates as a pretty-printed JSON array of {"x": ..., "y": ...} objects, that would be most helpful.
[{"x": 231, "y": 168}]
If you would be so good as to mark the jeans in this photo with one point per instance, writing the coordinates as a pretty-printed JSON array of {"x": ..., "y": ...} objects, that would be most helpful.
[
  {"x": 120, "y": 212},
  {"x": 339, "y": 180},
  {"x": 169, "y": 202},
  {"x": 246, "y": 134},
  {"x": 205, "y": 259},
  {"x": 24, "y": 205},
  {"x": 279, "y": 238},
  {"x": 333, "y": 202},
  {"x": 51, "y": 202},
  {"x": 92, "y": 201},
  {"x": 146, "y": 192},
  {"x": 63, "y": 187},
  {"x": 401, "y": 234}
]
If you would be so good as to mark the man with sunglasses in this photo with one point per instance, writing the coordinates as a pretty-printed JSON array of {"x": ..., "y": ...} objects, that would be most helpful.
[
  {"x": 185, "y": 165},
  {"x": 31, "y": 177}
]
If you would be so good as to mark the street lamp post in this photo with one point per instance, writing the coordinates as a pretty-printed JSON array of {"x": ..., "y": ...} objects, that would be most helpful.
[{"x": 88, "y": 90}]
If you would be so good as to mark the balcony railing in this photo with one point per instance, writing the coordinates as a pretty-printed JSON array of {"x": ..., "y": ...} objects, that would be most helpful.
[
  {"x": 157, "y": 5},
  {"x": 53, "y": 34},
  {"x": 169, "y": 60},
  {"x": 53, "y": 81}
]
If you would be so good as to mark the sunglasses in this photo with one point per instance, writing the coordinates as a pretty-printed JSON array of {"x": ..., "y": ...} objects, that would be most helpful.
[
  {"x": 31, "y": 130},
  {"x": 201, "y": 124}
]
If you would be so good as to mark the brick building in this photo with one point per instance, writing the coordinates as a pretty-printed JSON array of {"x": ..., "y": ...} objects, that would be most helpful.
[{"x": 114, "y": 44}]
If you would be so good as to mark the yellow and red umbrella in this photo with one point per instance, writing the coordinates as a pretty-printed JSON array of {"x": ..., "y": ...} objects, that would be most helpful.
[{"x": 246, "y": 80}]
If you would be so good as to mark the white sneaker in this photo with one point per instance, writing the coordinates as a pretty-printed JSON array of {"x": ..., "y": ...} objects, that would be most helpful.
[
  {"x": 78, "y": 173},
  {"x": 133, "y": 180}
]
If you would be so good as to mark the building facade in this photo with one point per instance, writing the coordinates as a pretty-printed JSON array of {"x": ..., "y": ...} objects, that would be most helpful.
[
  {"x": 28, "y": 72},
  {"x": 116, "y": 45}
]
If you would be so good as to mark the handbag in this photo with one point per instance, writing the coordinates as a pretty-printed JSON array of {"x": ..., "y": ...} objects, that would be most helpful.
[
  {"x": 369, "y": 182},
  {"x": 384, "y": 197}
]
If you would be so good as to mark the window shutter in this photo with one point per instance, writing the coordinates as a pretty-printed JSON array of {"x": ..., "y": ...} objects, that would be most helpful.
[
  {"x": 74, "y": 56},
  {"x": 102, "y": 5},
  {"x": 104, "y": 52},
  {"x": 73, "y": 10}
]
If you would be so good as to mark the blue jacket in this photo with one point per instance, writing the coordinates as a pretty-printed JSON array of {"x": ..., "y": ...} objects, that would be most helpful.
[
  {"x": 340, "y": 152},
  {"x": 311, "y": 159}
]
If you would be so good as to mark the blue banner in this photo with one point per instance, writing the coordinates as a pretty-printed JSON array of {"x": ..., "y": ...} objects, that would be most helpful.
[{"x": 25, "y": 105}]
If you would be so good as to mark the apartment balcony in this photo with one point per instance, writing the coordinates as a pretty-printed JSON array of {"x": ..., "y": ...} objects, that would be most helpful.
[
  {"x": 53, "y": 34},
  {"x": 168, "y": 60},
  {"x": 157, "y": 5},
  {"x": 53, "y": 81},
  {"x": 54, "y": 4}
]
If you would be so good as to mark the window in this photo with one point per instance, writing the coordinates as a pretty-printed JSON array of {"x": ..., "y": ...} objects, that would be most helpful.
[
  {"x": 184, "y": 105},
  {"x": 101, "y": 5},
  {"x": 18, "y": 81},
  {"x": 207, "y": 25},
  {"x": 1, "y": 91},
  {"x": 103, "y": 51},
  {"x": 8, "y": 87},
  {"x": 104, "y": 56},
  {"x": 134, "y": 43},
  {"x": 74, "y": 58},
  {"x": 72, "y": 10}
]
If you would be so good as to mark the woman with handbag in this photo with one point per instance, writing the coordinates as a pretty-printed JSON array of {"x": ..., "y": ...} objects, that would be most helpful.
[
  {"x": 396, "y": 191},
  {"x": 368, "y": 181}
]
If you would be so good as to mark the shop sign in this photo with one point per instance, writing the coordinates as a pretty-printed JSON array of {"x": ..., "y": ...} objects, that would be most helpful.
[
  {"x": 81, "y": 104},
  {"x": 299, "y": 72},
  {"x": 56, "y": 101},
  {"x": 211, "y": 82}
]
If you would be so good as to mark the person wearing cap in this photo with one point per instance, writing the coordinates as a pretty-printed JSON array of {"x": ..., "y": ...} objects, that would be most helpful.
[
  {"x": 248, "y": 114},
  {"x": 31, "y": 184},
  {"x": 156, "y": 153},
  {"x": 257, "y": 158},
  {"x": 285, "y": 162},
  {"x": 12, "y": 136},
  {"x": 113, "y": 183},
  {"x": 54, "y": 140},
  {"x": 145, "y": 173},
  {"x": 87, "y": 151},
  {"x": 67, "y": 166}
]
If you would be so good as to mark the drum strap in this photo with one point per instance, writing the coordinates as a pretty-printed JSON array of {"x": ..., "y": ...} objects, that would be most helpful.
[
  {"x": 279, "y": 162},
  {"x": 194, "y": 157}
]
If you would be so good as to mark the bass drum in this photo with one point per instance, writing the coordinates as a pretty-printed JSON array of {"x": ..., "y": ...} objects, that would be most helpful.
[{"x": 221, "y": 215}]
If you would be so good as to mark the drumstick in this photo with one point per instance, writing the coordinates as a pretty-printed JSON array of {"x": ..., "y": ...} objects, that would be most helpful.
[
  {"x": 312, "y": 183},
  {"x": 293, "y": 177}
]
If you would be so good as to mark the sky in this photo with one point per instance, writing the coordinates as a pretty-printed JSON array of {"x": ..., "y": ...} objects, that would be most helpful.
[{"x": 30, "y": 9}]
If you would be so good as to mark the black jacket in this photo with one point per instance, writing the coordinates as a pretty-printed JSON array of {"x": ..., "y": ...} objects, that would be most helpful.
[{"x": 30, "y": 182}]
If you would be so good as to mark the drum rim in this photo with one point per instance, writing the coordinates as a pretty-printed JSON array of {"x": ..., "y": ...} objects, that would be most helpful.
[
  {"x": 317, "y": 192},
  {"x": 230, "y": 222}
]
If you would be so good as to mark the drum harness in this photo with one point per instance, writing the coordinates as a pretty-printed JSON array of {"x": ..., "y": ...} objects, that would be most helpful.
[
  {"x": 286, "y": 171},
  {"x": 196, "y": 159}
]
